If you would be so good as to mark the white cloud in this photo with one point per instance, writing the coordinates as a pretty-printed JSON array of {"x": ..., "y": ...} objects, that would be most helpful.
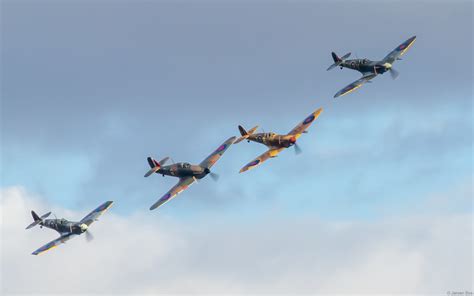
[{"x": 148, "y": 252}]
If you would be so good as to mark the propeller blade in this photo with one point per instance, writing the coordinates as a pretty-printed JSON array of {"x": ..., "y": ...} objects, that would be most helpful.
[
  {"x": 297, "y": 149},
  {"x": 89, "y": 236},
  {"x": 45, "y": 215},
  {"x": 214, "y": 176},
  {"x": 394, "y": 73}
]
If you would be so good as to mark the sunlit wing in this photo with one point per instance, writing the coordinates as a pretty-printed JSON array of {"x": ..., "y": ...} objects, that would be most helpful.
[
  {"x": 182, "y": 185},
  {"x": 354, "y": 85},
  {"x": 214, "y": 157},
  {"x": 54, "y": 243},
  {"x": 302, "y": 126},
  {"x": 95, "y": 214},
  {"x": 399, "y": 51},
  {"x": 259, "y": 160}
]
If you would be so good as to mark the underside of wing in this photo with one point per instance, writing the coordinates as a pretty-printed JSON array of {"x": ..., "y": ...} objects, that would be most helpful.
[
  {"x": 95, "y": 214},
  {"x": 182, "y": 185},
  {"x": 399, "y": 51},
  {"x": 259, "y": 160},
  {"x": 54, "y": 243},
  {"x": 214, "y": 157},
  {"x": 354, "y": 85},
  {"x": 302, "y": 126}
]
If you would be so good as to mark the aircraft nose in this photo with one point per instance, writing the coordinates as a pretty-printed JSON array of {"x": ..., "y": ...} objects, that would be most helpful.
[
  {"x": 83, "y": 227},
  {"x": 207, "y": 171},
  {"x": 293, "y": 140}
]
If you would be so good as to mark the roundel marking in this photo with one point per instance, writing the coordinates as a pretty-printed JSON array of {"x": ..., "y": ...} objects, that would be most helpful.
[
  {"x": 221, "y": 148},
  {"x": 402, "y": 46},
  {"x": 309, "y": 119},
  {"x": 255, "y": 162},
  {"x": 167, "y": 196}
]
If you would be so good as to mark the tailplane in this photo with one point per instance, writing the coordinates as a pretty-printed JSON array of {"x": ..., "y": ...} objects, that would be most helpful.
[
  {"x": 338, "y": 60},
  {"x": 37, "y": 219},
  {"x": 245, "y": 134},
  {"x": 155, "y": 165}
]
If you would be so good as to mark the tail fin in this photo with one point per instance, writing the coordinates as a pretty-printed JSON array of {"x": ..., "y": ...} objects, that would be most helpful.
[
  {"x": 37, "y": 219},
  {"x": 245, "y": 134},
  {"x": 35, "y": 216},
  {"x": 154, "y": 165},
  {"x": 338, "y": 60},
  {"x": 152, "y": 162}
]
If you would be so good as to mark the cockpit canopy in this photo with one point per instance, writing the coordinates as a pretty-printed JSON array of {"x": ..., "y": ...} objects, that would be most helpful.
[
  {"x": 185, "y": 165},
  {"x": 365, "y": 61},
  {"x": 62, "y": 221}
]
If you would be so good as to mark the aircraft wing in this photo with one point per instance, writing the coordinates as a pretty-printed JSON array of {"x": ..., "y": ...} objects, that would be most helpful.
[
  {"x": 182, "y": 185},
  {"x": 273, "y": 152},
  {"x": 302, "y": 126},
  {"x": 52, "y": 244},
  {"x": 95, "y": 214},
  {"x": 214, "y": 157},
  {"x": 354, "y": 85},
  {"x": 399, "y": 51}
]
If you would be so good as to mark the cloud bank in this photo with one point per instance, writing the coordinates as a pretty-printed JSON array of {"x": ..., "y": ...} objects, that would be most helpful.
[{"x": 419, "y": 253}]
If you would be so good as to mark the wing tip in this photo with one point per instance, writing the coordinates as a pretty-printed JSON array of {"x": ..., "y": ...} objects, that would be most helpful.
[
  {"x": 231, "y": 139},
  {"x": 155, "y": 206}
]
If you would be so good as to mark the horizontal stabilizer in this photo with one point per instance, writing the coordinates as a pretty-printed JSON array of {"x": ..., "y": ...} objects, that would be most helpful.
[
  {"x": 338, "y": 60},
  {"x": 154, "y": 165},
  {"x": 164, "y": 160},
  {"x": 33, "y": 224},
  {"x": 152, "y": 171},
  {"x": 245, "y": 134},
  {"x": 37, "y": 219}
]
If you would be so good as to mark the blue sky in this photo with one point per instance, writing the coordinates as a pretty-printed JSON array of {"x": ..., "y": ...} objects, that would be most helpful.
[
  {"x": 86, "y": 101},
  {"x": 90, "y": 89}
]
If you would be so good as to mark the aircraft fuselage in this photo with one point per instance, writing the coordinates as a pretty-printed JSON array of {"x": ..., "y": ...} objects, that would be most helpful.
[
  {"x": 366, "y": 66},
  {"x": 64, "y": 226},
  {"x": 273, "y": 140},
  {"x": 183, "y": 169}
]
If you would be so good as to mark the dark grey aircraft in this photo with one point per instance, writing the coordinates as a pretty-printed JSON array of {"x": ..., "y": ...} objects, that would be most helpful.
[
  {"x": 67, "y": 229},
  {"x": 368, "y": 68},
  {"x": 187, "y": 173}
]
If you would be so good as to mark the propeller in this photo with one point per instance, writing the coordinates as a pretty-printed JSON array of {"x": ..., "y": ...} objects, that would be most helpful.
[
  {"x": 294, "y": 144},
  {"x": 297, "y": 149},
  {"x": 214, "y": 176},
  {"x": 393, "y": 73},
  {"x": 89, "y": 236}
]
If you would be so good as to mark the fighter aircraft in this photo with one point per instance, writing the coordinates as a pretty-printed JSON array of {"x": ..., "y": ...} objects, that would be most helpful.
[
  {"x": 275, "y": 143},
  {"x": 67, "y": 229},
  {"x": 368, "y": 68},
  {"x": 186, "y": 172}
]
